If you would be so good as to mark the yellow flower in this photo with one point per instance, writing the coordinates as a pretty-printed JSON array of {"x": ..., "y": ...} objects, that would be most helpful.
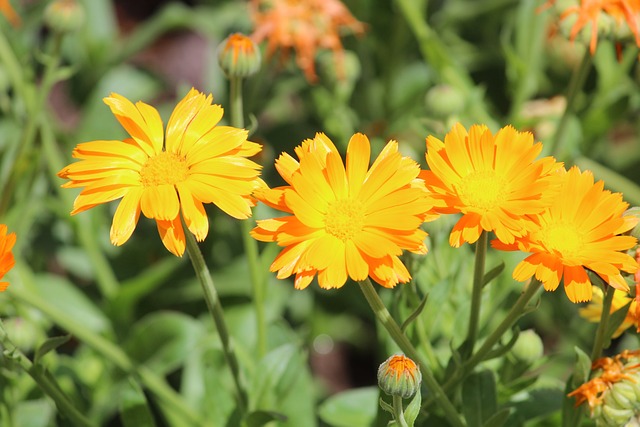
[
  {"x": 580, "y": 230},
  {"x": 493, "y": 180},
  {"x": 593, "y": 311},
  {"x": 166, "y": 176},
  {"x": 305, "y": 26},
  {"x": 351, "y": 221},
  {"x": 6, "y": 256}
]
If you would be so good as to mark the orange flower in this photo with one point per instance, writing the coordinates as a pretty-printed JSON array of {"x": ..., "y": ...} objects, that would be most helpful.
[
  {"x": 305, "y": 26},
  {"x": 345, "y": 222},
  {"x": 6, "y": 256},
  {"x": 7, "y": 10},
  {"x": 581, "y": 229},
  {"x": 493, "y": 180},
  {"x": 590, "y": 11},
  {"x": 167, "y": 177}
]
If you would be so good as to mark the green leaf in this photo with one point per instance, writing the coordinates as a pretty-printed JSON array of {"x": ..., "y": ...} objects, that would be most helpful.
[
  {"x": 534, "y": 404},
  {"x": 415, "y": 313},
  {"x": 583, "y": 367},
  {"x": 34, "y": 413},
  {"x": 492, "y": 274},
  {"x": 260, "y": 418},
  {"x": 479, "y": 398},
  {"x": 498, "y": 419},
  {"x": 503, "y": 349},
  {"x": 163, "y": 340},
  {"x": 571, "y": 415},
  {"x": 48, "y": 345},
  {"x": 616, "y": 319},
  {"x": 413, "y": 409},
  {"x": 350, "y": 408},
  {"x": 385, "y": 406},
  {"x": 134, "y": 409}
]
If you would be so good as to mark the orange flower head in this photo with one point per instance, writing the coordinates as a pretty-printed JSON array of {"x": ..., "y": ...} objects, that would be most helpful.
[
  {"x": 581, "y": 229},
  {"x": 166, "y": 176},
  {"x": 9, "y": 13},
  {"x": 6, "y": 256},
  {"x": 351, "y": 221},
  {"x": 399, "y": 376},
  {"x": 304, "y": 26},
  {"x": 239, "y": 56},
  {"x": 495, "y": 181},
  {"x": 614, "y": 389},
  {"x": 592, "y": 11}
]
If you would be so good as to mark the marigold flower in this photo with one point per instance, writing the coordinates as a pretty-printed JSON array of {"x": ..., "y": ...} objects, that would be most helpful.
[
  {"x": 593, "y": 311},
  {"x": 613, "y": 393},
  {"x": 592, "y": 11},
  {"x": 351, "y": 221},
  {"x": 6, "y": 256},
  {"x": 493, "y": 180},
  {"x": 399, "y": 376},
  {"x": 305, "y": 26},
  {"x": 166, "y": 176},
  {"x": 9, "y": 13},
  {"x": 580, "y": 230}
]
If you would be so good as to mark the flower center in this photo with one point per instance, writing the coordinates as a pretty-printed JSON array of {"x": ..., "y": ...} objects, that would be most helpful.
[
  {"x": 565, "y": 239},
  {"x": 344, "y": 219},
  {"x": 483, "y": 190},
  {"x": 165, "y": 168}
]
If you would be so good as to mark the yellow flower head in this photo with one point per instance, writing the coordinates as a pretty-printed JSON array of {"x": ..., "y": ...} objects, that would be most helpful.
[
  {"x": 493, "y": 180},
  {"x": 593, "y": 311},
  {"x": 345, "y": 222},
  {"x": 6, "y": 256},
  {"x": 165, "y": 176},
  {"x": 303, "y": 25},
  {"x": 580, "y": 230}
]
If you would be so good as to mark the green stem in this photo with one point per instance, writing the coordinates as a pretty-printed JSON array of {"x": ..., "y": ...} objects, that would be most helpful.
[
  {"x": 45, "y": 381},
  {"x": 601, "y": 338},
  {"x": 576, "y": 83},
  {"x": 215, "y": 309},
  {"x": 384, "y": 317},
  {"x": 398, "y": 410},
  {"x": 476, "y": 293},
  {"x": 168, "y": 398},
  {"x": 250, "y": 244}
]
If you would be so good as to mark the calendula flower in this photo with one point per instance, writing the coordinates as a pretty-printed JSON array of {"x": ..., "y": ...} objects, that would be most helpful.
[
  {"x": 581, "y": 229},
  {"x": 166, "y": 176},
  {"x": 613, "y": 393},
  {"x": 495, "y": 181},
  {"x": 239, "y": 56},
  {"x": 399, "y": 376},
  {"x": 9, "y": 13},
  {"x": 305, "y": 26},
  {"x": 593, "y": 311},
  {"x": 6, "y": 256},
  {"x": 345, "y": 222},
  {"x": 594, "y": 12}
]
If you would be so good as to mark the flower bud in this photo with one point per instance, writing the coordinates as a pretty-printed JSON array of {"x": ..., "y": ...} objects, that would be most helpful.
[
  {"x": 399, "y": 376},
  {"x": 528, "y": 347},
  {"x": 64, "y": 16},
  {"x": 239, "y": 56},
  {"x": 443, "y": 101}
]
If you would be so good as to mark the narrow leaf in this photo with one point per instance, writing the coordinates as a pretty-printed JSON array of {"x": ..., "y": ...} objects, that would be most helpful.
[
  {"x": 48, "y": 345},
  {"x": 415, "y": 313},
  {"x": 134, "y": 409},
  {"x": 492, "y": 274},
  {"x": 479, "y": 398}
]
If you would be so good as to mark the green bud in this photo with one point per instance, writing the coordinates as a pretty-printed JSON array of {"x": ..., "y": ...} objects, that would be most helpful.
[
  {"x": 64, "y": 16},
  {"x": 399, "y": 376},
  {"x": 528, "y": 347},
  {"x": 443, "y": 101},
  {"x": 239, "y": 56}
]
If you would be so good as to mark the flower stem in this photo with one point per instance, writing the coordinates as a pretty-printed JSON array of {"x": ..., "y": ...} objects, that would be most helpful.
[
  {"x": 384, "y": 317},
  {"x": 168, "y": 399},
  {"x": 45, "y": 381},
  {"x": 598, "y": 344},
  {"x": 250, "y": 245},
  {"x": 399, "y": 411},
  {"x": 215, "y": 309},
  {"x": 476, "y": 293},
  {"x": 576, "y": 83}
]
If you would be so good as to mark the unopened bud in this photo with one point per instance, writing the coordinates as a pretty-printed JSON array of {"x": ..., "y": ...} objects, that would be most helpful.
[
  {"x": 64, "y": 16},
  {"x": 528, "y": 347},
  {"x": 239, "y": 56},
  {"x": 399, "y": 376}
]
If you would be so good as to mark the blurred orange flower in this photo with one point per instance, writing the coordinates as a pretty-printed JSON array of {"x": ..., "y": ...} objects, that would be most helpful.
[
  {"x": 591, "y": 11},
  {"x": 305, "y": 26},
  {"x": 7, "y": 10},
  {"x": 6, "y": 256}
]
